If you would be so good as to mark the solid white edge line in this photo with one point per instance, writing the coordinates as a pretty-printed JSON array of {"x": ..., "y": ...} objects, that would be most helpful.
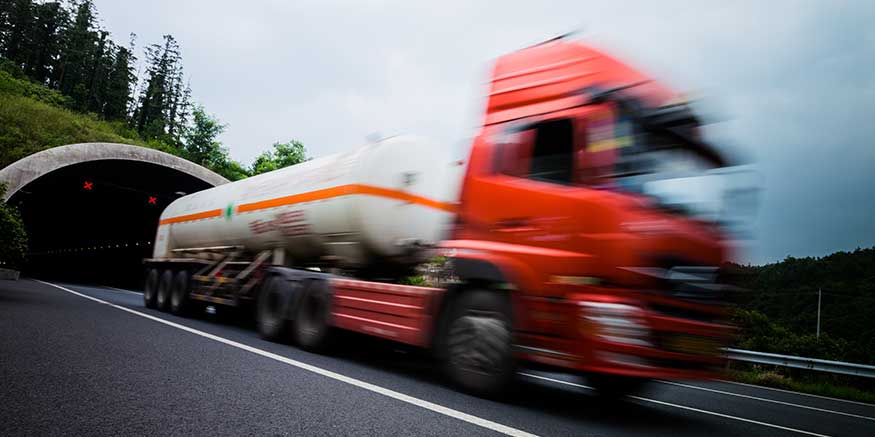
[
  {"x": 765, "y": 400},
  {"x": 684, "y": 407},
  {"x": 728, "y": 416},
  {"x": 795, "y": 392},
  {"x": 465, "y": 417},
  {"x": 122, "y": 290}
]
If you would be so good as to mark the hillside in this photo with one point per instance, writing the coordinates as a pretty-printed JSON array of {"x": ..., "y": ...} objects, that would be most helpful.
[
  {"x": 33, "y": 118},
  {"x": 779, "y": 310}
]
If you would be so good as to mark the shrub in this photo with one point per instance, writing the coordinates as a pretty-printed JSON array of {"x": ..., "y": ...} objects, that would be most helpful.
[{"x": 13, "y": 239}]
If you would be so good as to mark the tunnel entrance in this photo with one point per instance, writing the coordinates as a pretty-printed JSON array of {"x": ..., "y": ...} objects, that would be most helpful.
[{"x": 95, "y": 221}]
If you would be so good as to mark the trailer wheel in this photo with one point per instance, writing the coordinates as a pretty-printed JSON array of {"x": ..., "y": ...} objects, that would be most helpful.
[
  {"x": 162, "y": 297},
  {"x": 313, "y": 317},
  {"x": 270, "y": 310},
  {"x": 150, "y": 290},
  {"x": 477, "y": 343},
  {"x": 179, "y": 302}
]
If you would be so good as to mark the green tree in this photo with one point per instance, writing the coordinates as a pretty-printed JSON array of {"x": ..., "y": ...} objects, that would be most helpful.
[
  {"x": 75, "y": 63},
  {"x": 157, "y": 113},
  {"x": 13, "y": 239},
  {"x": 282, "y": 155},
  {"x": 17, "y": 21},
  {"x": 45, "y": 39},
  {"x": 117, "y": 93},
  {"x": 201, "y": 145}
]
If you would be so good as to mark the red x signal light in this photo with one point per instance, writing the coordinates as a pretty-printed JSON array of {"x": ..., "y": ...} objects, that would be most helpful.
[{"x": 88, "y": 185}]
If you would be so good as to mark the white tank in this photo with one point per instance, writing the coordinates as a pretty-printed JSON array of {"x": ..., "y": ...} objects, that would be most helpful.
[{"x": 376, "y": 204}]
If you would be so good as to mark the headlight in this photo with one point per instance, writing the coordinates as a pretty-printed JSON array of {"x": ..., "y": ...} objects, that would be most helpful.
[{"x": 616, "y": 322}]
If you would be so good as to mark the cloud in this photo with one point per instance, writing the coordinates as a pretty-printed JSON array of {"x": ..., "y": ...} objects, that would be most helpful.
[{"x": 793, "y": 79}]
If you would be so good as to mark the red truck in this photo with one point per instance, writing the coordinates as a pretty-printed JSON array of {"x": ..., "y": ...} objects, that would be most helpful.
[{"x": 567, "y": 243}]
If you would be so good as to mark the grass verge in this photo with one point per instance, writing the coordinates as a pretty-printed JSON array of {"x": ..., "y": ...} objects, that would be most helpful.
[{"x": 776, "y": 379}]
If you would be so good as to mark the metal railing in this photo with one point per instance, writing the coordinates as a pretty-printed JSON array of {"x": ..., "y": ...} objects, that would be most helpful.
[{"x": 815, "y": 364}]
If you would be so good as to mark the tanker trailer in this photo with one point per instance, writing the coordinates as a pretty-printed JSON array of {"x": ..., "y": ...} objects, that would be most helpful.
[{"x": 373, "y": 209}]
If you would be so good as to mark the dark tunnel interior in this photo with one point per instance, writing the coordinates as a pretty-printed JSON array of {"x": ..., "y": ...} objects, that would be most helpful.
[{"x": 95, "y": 222}]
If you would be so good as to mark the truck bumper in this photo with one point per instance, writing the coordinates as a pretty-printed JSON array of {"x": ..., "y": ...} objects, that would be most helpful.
[{"x": 637, "y": 342}]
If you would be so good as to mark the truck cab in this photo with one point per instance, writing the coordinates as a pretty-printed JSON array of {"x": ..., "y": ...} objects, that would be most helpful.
[{"x": 587, "y": 195}]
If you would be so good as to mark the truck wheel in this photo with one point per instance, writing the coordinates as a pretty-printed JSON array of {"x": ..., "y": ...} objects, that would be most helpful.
[
  {"x": 270, "y": 310},
  {"x": 614, "y": 386},
  {"x": 162, "y": 297},
  {"x": 312, "y": 318},
  {"x": 478, "y": 354},
  {"x": 151, "y": 288},
  {"x": 179, "y": 302}
]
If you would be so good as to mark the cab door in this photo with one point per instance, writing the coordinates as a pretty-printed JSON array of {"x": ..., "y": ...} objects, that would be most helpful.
[{"x": 527, "y": 198}]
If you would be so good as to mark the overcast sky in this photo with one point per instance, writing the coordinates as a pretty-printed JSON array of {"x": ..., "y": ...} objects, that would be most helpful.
[{"x": 793, "y": 82}]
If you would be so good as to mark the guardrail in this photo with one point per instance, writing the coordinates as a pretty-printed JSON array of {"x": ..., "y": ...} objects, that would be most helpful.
[{"x": 815, "y": 364}]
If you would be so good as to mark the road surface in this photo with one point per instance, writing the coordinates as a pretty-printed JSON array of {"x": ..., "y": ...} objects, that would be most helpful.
[{"x": 78, "y": 359}]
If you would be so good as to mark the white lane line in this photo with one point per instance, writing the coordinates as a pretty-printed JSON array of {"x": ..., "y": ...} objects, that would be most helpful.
[
  {"x": 684, "y": 407},
  {"x": 532, "y": 375},
  {"x": 122, "y": 290},
  {"x": 766, "y": 400},
  {"x": 795, "y": 392},
  {"x": 474, "y": 420}
]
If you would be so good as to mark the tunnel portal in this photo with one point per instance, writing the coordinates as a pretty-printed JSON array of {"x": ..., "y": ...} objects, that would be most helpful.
[{"x": 94, "y": 220}]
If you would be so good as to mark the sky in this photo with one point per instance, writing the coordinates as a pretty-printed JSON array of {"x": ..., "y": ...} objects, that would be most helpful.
[{"x": 789, "y": 84}]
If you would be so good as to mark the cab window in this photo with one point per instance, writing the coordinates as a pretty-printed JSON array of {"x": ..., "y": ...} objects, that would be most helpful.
[{"x": 543, "y": 152}]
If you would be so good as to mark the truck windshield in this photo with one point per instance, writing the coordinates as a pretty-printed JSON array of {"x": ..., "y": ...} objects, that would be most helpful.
[{"x": 667, "y": 170}]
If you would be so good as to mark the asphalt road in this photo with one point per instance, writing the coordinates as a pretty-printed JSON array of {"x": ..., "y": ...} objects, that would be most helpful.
[{"x": 90, "y": 360}]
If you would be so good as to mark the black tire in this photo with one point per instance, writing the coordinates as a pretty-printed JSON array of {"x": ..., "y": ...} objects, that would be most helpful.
[
  {"x": 271, "y": 309},
  {"x": 312, "y": 319},
  {"x": 150, "y": 290},
  {"x": 615, "y": 386},
  {"x": 162, "y": 297},
  {"x": 477, "y": 343},
  {"x": 179, "y": 301}
]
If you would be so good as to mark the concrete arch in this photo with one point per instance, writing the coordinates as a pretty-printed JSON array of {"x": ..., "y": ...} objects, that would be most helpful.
[{"x": 26, "y": 170}]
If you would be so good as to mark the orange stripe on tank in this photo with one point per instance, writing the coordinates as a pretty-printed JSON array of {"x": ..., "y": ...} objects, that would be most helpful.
[
  {"x": 327, "y": 193},
  {"x": 310, "y": 196},
  {"x": 407, "y": 197},
  {"x": 190, "y": 217}
]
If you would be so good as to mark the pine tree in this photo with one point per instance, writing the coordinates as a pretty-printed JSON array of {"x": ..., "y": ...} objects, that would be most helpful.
[
  {"x": 156, "y": 99},
  {"x": 100, "y": 67},
  {"x": 119, "y": 81},
  {"x": 74, "y": 65},
  {"x": 45, "y": 40},
  {"x": 19, "y": 21},
  {"x": 5, "y": 25}
]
